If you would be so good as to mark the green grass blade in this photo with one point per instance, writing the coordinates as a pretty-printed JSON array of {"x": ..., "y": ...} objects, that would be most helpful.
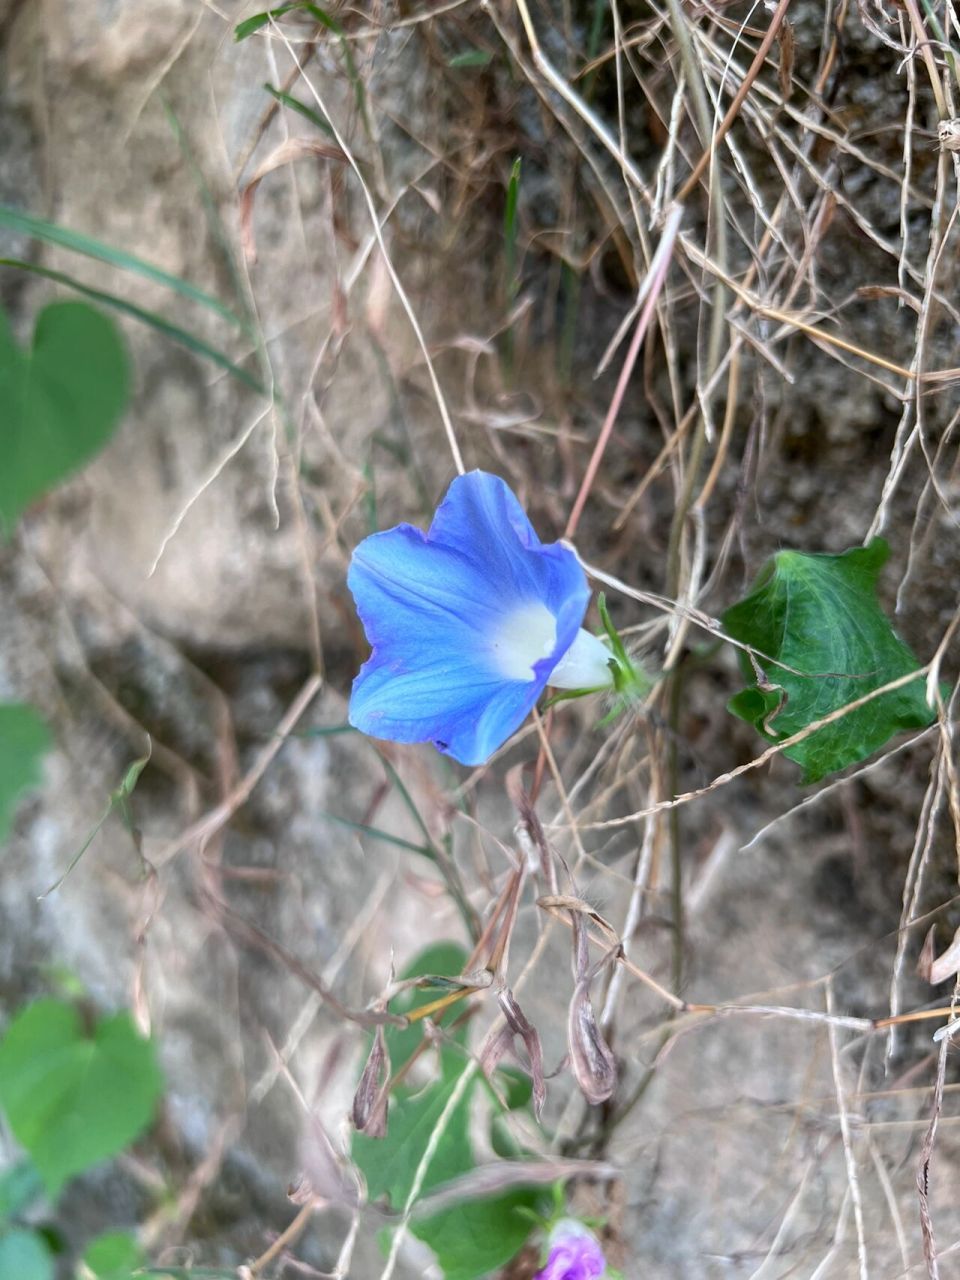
[
  {"x": 510, "y": 232},
  {"x": 259, "y": 20},
  {"x": 470, "y": 59},
  {"x": 250, "y": 25},
  {"x": 407, "y": 799},
  {"x": 169, "y": 330},
  {"x": 353, "y": 74},
  {"x": 324, "y": 731},
  {"x": 370, "y": 497},
  {"x": 511, "y": 283},
  {"x": 26, "y": 224},
  {"x": 375, "y": 833},
  {"x": 301, "y": 108}
]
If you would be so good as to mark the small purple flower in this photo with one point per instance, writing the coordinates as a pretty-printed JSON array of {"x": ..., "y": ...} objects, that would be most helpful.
[
  {"x": 575, "y": 1253},
  {"x": 469, "y": 623}
]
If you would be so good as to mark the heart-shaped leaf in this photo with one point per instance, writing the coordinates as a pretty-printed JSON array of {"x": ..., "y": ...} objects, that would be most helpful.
[
  {"x": 819, "y": 615},
  {"x": 477, "y": 1236},
  {"x": 61, "y": 400},
  {"x": 24, "y": 1255},
  {"x": 74, "y": 1098},
  {"x": 114, "y": 1256}
]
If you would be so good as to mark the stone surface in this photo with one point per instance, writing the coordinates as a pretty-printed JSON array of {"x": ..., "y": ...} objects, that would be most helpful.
[{"x": 177, "y": 590}]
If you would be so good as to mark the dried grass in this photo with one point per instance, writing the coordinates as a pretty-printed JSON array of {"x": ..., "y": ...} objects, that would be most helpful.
[{"x": 774, "y": 223}]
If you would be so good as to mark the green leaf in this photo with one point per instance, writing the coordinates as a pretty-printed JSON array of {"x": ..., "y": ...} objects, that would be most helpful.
[
  {"x": 471, "y": 58},
  {"x": 510, "y": 231},
  {"x": 389, "y": 1163},
  {"x": 819, "y": 615},
  {"x": 375, "y": 833},
  {"x": 477, "y": 1237},
  {"x": 114, "y": 1256},
  {"x": 72, "y": 1097},
  {"x": 301, "y": 108},
  {"x": 24, "y": 739},
  {"x": 17, "y": 220},
  {"x": 516, "y": 1087},
  {"x": 447, "y": 958},
  {"x": 474, "y": 1237},
  {"x": 249, "y": 25},
  {"x": 62, "y": 400},
  {"x": 24, "y": 1256},
  {"x": 151, "y": 318},
  {"x": 19, "y": 1187}
]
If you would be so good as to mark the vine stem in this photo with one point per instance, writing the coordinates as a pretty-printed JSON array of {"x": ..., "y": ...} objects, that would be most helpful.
[
  {"x": 725, "y": 124},
  {"x": 651, "y": 289}
]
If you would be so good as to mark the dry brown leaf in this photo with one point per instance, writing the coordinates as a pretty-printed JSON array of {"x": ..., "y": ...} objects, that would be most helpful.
[
  {"x": 520, "y": 1025},
  {"x": 594, "y": 1066},
  {"x": 288, "y": 152},
  {"x": 371, "y": 1098}
]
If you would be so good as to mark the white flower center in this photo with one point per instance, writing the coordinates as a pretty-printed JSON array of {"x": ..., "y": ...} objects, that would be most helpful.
[
  {"x": 585, "y": 665},
  {"x": 529, "y": 634},
  {"x": 523, "y": 638}
]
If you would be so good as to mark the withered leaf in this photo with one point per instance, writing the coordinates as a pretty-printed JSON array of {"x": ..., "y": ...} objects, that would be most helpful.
[
  {"x": 520, "y": 1025},
  {"x": 371, "y": 1098},
  {"x": 594, "y": 1066}
]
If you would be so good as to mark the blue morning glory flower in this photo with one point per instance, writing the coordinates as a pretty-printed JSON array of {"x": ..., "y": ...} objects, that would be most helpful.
[{"x": 468, "y": 623}]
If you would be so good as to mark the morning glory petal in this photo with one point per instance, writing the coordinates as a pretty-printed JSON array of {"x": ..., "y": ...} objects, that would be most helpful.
[
  {"x": 466, "y": 622},
  {"x": 440, "y": 704},
  {"x": 482, "y": 520}
]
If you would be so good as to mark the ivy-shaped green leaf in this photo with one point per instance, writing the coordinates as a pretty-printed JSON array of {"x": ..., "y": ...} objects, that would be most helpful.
[
  {"x": 819, "y": 615},
  {"x": 75, "y": 1096},
  {"x": 113, "y": 1256},
  {"x": 61, "y": 400},
  {"x": 24, "y": 1255},
  {"x": 24, "y": 739},
  {"x": 475, "y": 1237},
  {"x": 19, "y": 1186},
  {"x": 389, "y": 1163}
]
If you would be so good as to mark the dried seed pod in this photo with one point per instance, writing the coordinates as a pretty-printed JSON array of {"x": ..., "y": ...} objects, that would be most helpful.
[
  {"x": 520, "y": 1025},
  {"x": 371, "y": 1097},
  {"x": 594, "y": 1066},
  {"x": 493, "y": 1050}
]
